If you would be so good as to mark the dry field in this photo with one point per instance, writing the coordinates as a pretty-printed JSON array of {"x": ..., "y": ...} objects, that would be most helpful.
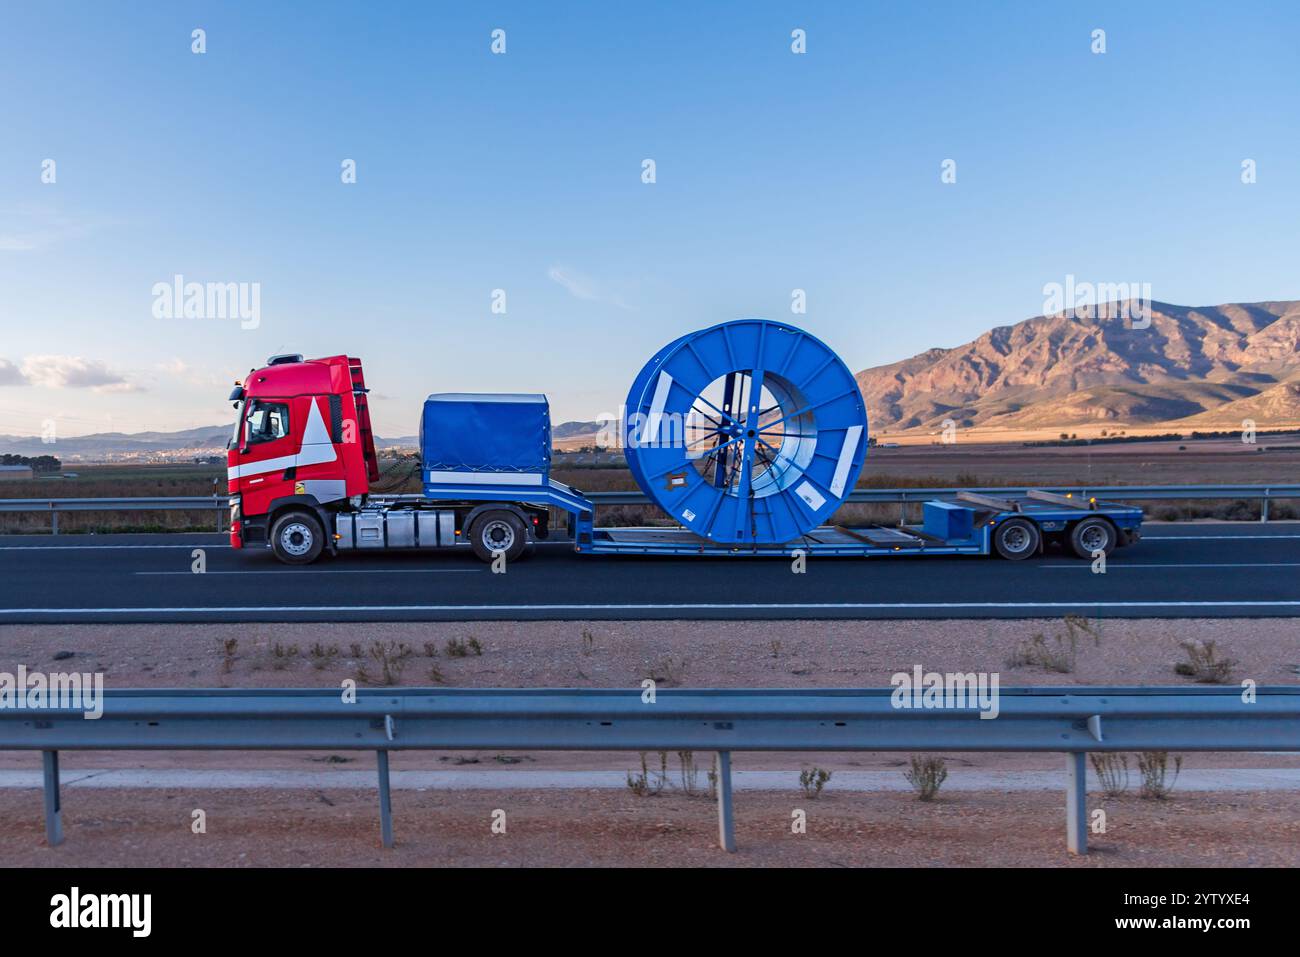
[
  {"x": 319, "y": 826},
  {"x": 268, "y": 828},
  {"x": 606, "y": 654}
]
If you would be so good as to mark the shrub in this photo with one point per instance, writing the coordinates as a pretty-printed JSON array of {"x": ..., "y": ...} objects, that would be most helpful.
[
  {"x": 1154, "y": 768},
  {"x": 812, "y": 780},
  {"x": 927, "y": 776},
  {"x": 1204, "y": 664},
  {"x": 649, "y": 782},
  {"x": 1062, "y": 653},
  {"x": 391, "y": 659},
  {"x": 1112, "y": 772}
]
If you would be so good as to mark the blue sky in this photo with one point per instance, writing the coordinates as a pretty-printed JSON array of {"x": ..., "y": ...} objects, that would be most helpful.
[{"x": 522, "y": 172}]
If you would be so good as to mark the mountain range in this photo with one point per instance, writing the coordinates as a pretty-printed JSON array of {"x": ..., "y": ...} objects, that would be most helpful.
[
  {"x": 1196, "y": 367},
  {"x": 1192, "y": 366}
]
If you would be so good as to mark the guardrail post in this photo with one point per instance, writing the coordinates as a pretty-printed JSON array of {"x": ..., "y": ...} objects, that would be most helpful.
[
  {"x": 726, "y": 817},
  {"x": 385, "y": 801},
  {"x": 53, "y": 807},
  {"x": 1263, "y": 508},
  {"x": 54, "y": 519},
  {"x": 1076, "y": 802}
]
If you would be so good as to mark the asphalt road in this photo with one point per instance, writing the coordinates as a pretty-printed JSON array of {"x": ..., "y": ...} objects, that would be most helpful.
[{"x": 1176, "y": 571}]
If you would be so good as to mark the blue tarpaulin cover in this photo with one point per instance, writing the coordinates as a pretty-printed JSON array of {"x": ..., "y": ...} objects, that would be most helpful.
[{"x": 467, "y": 432}]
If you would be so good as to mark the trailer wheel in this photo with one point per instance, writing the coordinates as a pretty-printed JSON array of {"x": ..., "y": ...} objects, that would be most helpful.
[
  {"x": 498, "y": 531},
  {"x": 1092, "y": 535},
  {"x": 1017, "y": 539},
  {"x": 297, "y": 538}
]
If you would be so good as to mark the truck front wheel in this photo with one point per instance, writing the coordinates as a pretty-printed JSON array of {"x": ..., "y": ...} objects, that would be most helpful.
[
  {"x": 498, "y": 531},
  {"x": 297, "y": 538}
]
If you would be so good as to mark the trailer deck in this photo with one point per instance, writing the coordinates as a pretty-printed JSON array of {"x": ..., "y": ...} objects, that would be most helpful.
[
  {"x": 961, "y": 525},
  {"x": 824, "y": 540}
]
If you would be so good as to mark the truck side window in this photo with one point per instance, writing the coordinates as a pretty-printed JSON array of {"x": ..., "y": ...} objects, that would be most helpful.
[{"x": 267, "y": 421}]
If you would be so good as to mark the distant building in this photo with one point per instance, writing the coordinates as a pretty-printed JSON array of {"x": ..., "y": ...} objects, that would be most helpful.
[{"x": 15, "y": 472}]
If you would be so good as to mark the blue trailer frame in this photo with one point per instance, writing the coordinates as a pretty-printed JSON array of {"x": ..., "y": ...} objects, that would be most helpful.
[{"x": 961, "y": 525}]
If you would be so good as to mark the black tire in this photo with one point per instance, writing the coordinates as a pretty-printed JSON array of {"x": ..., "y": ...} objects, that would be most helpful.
[
  {"x": 498, "y": 530},
  {"x": 1017, "y": 539},
  {"x": 297, "y": 538},
  {"x": 1092, "y": 534}
]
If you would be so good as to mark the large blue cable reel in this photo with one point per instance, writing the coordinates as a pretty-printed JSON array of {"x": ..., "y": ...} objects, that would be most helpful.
[{"x": 750, "y": 432}]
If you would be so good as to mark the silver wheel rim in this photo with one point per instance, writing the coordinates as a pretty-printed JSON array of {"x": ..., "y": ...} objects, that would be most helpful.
[
  {"x": 498, "y": 535},
  {"x": 1094, "y": 537},
  {"x": 296, "y": 539},
  {"x": 1015, "y": 539}
]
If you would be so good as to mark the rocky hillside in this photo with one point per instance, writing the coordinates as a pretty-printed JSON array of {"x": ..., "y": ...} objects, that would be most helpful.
[{"x": 1208, "y": 365}]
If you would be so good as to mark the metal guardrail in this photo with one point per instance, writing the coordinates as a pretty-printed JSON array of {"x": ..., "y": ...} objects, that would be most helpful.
[
  {"x": 196, "y": 503},
  {"x": 1074, "y": 721},
  {"x": 900, "y": 496}
]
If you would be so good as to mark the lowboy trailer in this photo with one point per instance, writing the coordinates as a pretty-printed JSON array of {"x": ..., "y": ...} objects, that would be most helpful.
[{"x": 749, "y": 434}]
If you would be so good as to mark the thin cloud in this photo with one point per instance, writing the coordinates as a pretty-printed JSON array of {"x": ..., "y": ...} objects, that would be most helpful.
[
  {"x": 582, "y": 287},
  {"x": 75, "y": 372},
  {"x": 36, "y": 227},
  {"x": 578, "y": 285}
]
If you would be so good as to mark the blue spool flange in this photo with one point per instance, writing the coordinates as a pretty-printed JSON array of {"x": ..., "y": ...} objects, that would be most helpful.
[{"x": 749, "y": 432}]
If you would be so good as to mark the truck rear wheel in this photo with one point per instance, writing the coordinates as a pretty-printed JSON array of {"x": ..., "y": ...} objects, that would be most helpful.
[
  {"x": 1017, "y": 539},
  {"x": 498, "y": 531},
  {"x": 297, "y": 538},
  {"x": 1093, "y": 535}
]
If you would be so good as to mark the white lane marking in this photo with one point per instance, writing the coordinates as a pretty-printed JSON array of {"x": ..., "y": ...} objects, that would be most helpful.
[
  {"x": 1146, "y": 540},
  {"x": 68, "y": 548},
  {"x": 1183, "y": 565},
  {"x": 1207, "y": 538},
  {"x": 55, "y": 548},
  {"x": 696, "y": 606},
  {"x": 328, "y": 571}
]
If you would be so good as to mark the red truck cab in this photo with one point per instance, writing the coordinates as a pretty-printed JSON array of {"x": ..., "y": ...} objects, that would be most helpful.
[{"x": 302, "y": 440}]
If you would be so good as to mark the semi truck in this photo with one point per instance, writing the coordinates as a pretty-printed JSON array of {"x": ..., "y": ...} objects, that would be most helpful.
[{"x": 303, "y": 475}]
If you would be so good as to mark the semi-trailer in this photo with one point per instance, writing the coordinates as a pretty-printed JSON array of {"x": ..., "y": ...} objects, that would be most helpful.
[{"x": 749, "y": 435}]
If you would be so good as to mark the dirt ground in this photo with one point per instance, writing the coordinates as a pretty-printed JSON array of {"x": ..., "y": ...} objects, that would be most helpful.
[
  {"x": 307, "y": 827},
  {"x": 603, "y": 828},
  {"x": 789, "y": 654},
  {"x": 602, "y": 654}
]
